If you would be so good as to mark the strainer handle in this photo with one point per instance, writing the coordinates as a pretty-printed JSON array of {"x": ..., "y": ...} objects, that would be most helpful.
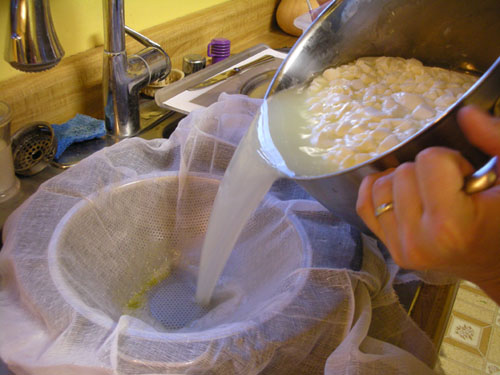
[{"x": 483, "y": 178}]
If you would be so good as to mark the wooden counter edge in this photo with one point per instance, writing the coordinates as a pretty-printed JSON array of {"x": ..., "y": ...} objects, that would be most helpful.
[{"x": 431, "y": 309}]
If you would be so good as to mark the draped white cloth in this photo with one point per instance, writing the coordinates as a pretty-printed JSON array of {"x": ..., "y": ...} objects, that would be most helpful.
[{"x": 99, "y": 266}]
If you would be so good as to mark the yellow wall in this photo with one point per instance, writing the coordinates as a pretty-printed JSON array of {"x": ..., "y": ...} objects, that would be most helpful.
[{"x": 78, "y": 23}]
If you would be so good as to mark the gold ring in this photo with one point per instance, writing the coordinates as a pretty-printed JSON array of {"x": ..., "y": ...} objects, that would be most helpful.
[{"x": 383, "y": 208}]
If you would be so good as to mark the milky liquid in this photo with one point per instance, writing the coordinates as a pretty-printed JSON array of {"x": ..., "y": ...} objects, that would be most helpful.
[
  {"x": 254, "y": 167},
  {"x": 246, "y": 181},
  {"x": 284, "y": 132},
  {"x": 7, "y": 177},
  {"x": 256, "y": 164},
  {"x": 316, "y": 143}
]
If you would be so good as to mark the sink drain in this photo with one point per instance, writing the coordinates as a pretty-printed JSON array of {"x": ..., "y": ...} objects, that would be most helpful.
[{"x": 33, "y": 148}]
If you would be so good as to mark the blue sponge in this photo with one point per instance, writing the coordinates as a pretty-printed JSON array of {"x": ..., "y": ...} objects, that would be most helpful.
[{"x": 80, "y": 128}]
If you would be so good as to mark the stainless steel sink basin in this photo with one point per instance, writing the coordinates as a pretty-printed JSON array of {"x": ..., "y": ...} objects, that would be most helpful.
[{"x": 155, "y": 123}]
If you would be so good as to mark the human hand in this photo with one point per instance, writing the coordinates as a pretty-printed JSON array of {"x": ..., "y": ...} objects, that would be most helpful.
[{"x": 434, "y": 224}]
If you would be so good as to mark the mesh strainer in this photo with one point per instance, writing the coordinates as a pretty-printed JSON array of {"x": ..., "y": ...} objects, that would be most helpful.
[
  {"x": 99, "y": 270},
  {"x": 33, "y": 148}
]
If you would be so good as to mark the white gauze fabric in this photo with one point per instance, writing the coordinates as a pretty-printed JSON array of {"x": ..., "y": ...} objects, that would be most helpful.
[{"x": 99, "y": 267}]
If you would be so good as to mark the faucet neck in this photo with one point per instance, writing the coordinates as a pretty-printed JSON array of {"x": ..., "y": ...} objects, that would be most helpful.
[
  {"x": 114, "y": 26},
  {"x": 123, "y": 76}
]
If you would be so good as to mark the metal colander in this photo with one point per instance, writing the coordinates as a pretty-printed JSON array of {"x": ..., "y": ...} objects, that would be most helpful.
[{"x": 33, "y": 148}]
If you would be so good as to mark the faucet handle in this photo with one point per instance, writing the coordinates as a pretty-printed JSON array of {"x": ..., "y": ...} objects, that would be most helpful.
[{"x": 145, "y": 41}]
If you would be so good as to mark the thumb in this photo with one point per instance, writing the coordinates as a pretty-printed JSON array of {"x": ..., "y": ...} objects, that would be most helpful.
[{"x": 481, "y": 129}]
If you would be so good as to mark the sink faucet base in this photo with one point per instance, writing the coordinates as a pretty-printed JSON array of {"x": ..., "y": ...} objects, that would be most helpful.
[{"x": 123, "y": 76}]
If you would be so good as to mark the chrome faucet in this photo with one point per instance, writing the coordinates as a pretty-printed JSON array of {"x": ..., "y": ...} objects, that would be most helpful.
[
  {"x": 124, "y": 76},
  {"x": 34, "y": 47}
]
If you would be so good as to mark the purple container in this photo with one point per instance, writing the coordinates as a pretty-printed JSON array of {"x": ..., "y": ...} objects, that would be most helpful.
[{"x": 219, "y": 49}]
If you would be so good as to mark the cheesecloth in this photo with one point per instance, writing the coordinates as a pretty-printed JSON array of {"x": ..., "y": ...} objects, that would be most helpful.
[{"x": 99, "y": 267}]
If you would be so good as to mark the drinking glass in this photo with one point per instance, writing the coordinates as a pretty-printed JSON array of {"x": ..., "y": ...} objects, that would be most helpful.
[{"x": 9, "y": 184}]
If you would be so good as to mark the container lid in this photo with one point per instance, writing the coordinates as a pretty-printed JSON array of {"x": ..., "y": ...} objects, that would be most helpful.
[
  {"x": 220, "y": 41},
  {"x": 193, "y": 62}
]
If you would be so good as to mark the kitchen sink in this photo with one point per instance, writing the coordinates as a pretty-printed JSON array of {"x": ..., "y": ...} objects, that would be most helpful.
[{"x": 156, "y": 122}]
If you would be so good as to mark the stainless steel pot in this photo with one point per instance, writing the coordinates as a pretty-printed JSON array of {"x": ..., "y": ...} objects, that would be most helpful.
[{"x": 453, "y": 34}]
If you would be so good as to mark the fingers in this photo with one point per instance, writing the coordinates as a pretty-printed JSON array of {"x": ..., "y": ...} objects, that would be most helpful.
[
  {"x": 382, "y": 193},
  {"x": 434, "y": 222},
  {"x": 440, "y": 174},
  {"x": 482, "y": 130},
  {"x": 433, "y": 183},
  {"x": 406, "y": 192},
  {"x": 365, "y": 206}
]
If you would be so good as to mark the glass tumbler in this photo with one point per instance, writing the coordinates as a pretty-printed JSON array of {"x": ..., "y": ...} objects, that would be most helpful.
[{"x": 9, "y": 184}]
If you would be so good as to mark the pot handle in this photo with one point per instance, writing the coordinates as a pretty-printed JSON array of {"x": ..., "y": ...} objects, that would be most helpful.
[{"x": 483, "y": 178}]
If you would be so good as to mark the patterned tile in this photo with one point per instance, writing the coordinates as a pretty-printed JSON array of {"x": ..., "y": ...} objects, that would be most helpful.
[
  {"x": 461, "y": 356},
  {"x": 465, "y": 331},
  {"x": 494, "y": 347},
  {"x": 476, "y": 312},
  {"x": 469, "y": 284},
  {"x": 468, "y": 333},
  {"x": 492, "y": 369},
  {"x": 471, "y": 344},
  {"x": 476, "y": 297},
  {"x": 449, "y": 366}
]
